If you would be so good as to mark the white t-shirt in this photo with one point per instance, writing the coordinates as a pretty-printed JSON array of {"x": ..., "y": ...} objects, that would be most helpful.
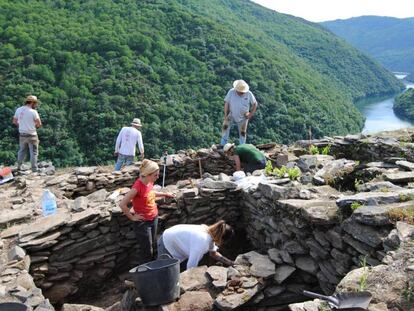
[
  {"x": 239, "y": 105},
  {"x": 26, "y": 117},
  {"x": 188, "y": 241},
  {"x": 126, "y": 141}
]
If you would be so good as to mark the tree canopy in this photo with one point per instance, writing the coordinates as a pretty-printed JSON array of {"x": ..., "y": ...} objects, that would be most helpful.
[
  {"x": 389, "y": 40},
  {"x": 404, "y": 105},
  {"x": 95, "y": 65}
]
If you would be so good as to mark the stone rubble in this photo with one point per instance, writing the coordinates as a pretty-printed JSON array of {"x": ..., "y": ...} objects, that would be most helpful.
[{"x": 305, "y": 234}]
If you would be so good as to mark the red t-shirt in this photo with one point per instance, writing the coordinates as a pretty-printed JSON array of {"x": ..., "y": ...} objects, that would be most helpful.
[{"x": 144, "y": 202}]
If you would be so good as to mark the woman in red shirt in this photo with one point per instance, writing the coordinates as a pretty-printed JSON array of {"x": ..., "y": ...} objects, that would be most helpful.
[{"x": 144, "y": 211}]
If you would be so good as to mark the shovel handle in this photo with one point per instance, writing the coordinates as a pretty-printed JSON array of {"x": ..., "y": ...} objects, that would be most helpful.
[{"x": 323, "y": 297}]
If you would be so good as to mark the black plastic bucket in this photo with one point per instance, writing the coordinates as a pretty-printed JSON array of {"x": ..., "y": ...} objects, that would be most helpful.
[
  {"x": 157, "y": 282},
  {"x": 13, "y": 306}
]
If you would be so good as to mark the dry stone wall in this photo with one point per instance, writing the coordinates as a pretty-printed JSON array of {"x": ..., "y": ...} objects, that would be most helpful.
[
  {"x": 74, "y": 251},
  {"x": 181, "y": 166},
  {"x": 309, "y": 234}
]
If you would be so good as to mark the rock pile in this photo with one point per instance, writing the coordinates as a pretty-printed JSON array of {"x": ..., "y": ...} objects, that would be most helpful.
[{"x": 307, "y": 233}]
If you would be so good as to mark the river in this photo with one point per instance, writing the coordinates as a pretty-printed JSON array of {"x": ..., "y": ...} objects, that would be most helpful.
[{"x": 379, "y": 114}]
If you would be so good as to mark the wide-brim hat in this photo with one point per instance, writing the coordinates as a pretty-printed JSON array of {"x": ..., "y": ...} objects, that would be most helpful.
[
  {"x": 227, "y": 147},
  {"x": 241, "y": 86},
  {"x": 136, "y": 122},
  {"x": 31, "y": 98}
]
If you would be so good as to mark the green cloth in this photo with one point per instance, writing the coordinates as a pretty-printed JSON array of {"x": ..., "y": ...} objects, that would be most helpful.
[{"x": 249, "y": 154}]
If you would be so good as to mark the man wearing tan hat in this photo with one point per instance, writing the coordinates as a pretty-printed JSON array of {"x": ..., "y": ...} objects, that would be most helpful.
[
  {"x": 127, "y": 139},
  {"x": 27, "y": 119},
  {"x": 239, "y": 107}
]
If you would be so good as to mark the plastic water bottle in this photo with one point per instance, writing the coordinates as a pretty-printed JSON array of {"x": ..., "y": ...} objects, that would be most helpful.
[{"x": 48, "y": 203}]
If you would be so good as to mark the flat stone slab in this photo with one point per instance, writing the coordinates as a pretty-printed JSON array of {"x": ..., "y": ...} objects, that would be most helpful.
[
  {"x": 377, "y": 215},
  {"x": 409, "y": 166},
  {"x": 320, "y": 212},
  {"x": 378, "y": 186},
  {"x": 83, "y": 216},
  {"x": 232, "y": 301},
  {"x": 7, "y": 216},
  {"x": 366, "y": 234},
  {"x": 401, "y": 177},
  {"x": 283, "y": 272},
  {"x": 43, "y": 225},
  {"x": 260, "y": 265},
  {"x": 376, "y": 198},
  {"x": 85, "y": 170},
  {"x": 218, "y": 275},
  {"x": 194, "y": 279}
]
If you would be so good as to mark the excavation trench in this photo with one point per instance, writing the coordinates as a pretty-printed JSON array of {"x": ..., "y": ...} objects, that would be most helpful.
[{"x": 306, "y": 242}]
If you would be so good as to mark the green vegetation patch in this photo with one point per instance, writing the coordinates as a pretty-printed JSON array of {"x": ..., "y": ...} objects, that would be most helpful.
[
  {"x": 404, "y": 105},
  {"x": 96, "y": 65},
  {"x": 402, "y": 214}
]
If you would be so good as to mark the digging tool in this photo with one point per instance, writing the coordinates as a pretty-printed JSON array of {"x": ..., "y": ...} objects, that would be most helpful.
[
  {"x": 164, "y": 169},
  {"x": 344, "y": 300}
]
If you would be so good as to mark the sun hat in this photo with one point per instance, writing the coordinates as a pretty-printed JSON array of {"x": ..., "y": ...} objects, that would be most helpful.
[
  {"x": 136, "y": 122},
  {"x": 227, "y": 147},
  {"x": 241, "y": 86},
  {"x": 31, "y": 98}
]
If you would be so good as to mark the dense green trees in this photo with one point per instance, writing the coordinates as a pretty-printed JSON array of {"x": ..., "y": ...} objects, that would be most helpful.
[
  {"x": 389, "y": 40},
  {"x": 404, "y": 105},
  {"x": 97, "y": 64}
]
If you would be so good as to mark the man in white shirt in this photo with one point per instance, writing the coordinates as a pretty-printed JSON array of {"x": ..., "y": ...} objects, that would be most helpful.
[
  {"x": 27, "y": 119},
  {"x": 239, "y": 107},
  {"x": 127, "y": 139}
]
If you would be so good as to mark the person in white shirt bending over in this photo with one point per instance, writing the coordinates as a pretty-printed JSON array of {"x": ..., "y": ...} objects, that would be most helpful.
[
  {"x": 27, "y": 119},
  {"x": 127, "y": 139},
  {"x": 193, "y": 241}
]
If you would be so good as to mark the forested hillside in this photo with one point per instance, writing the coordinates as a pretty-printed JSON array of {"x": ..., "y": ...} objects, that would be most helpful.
[
  {"x": 404, "y": 105},
  {"x": 390, "y": 40},
  {"x": 97, "y": 64}
]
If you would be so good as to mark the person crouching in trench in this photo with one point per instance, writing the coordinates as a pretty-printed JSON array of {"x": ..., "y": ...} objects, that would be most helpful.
[{"x": 191, "y": 242}]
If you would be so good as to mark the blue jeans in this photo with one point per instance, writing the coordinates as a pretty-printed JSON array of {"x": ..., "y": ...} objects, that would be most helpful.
[
  {"x": 123, "y": 159},
  {"x": 241, "y": 126}
]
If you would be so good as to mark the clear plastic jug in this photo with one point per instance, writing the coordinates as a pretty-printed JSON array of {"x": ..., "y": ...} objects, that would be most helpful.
[{"x": 49, "y": 205}]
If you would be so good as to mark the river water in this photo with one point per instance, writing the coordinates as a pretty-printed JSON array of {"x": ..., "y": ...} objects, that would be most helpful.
[{"x": 379, "y": 114}]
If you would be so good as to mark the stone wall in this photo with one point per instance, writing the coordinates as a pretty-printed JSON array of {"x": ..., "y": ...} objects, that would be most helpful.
[
  {"x": 368, "y": 148},
  {"x": 181, "y": 166},
  {"x": 311, "y": 236},
  {"x": 307, "y": 233},
  {"x": 71, "y": 251}
]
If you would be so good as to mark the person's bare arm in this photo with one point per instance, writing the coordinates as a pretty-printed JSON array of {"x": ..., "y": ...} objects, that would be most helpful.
[
  {"x": 252, "y": 111},
  {"x": 15, "y": 121},
  {"x": 237, "y": 162},
  {"x": 124, "y": 206},
  {"x": 226, "y": 109},
  {"x": 164, "y": 194},
  {"x": 38, "y": 123},
  {"x": 219, "y": 257}
]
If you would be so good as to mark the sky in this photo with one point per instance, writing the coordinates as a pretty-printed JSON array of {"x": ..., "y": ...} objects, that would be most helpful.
[{"x": 324, "y": 10}]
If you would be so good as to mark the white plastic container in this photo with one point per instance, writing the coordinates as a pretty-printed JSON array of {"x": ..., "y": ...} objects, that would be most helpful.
[
  {"x": 49, "y": 205},
  {"x": 237, "y": 175}
]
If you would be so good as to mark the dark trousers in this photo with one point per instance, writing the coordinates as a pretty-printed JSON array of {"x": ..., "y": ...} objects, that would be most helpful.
[
  {"x": 145, "y": 232},
  {"x": 251, "y": 167}
]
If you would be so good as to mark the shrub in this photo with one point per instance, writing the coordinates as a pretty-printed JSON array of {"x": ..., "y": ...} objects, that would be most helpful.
[{"x": 402, "y": 214}]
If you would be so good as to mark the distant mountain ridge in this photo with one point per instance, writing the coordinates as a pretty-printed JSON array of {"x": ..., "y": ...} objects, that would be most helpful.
[
  {"x": 389, "y": 40},
  {"x": 95, "y": 65}
]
